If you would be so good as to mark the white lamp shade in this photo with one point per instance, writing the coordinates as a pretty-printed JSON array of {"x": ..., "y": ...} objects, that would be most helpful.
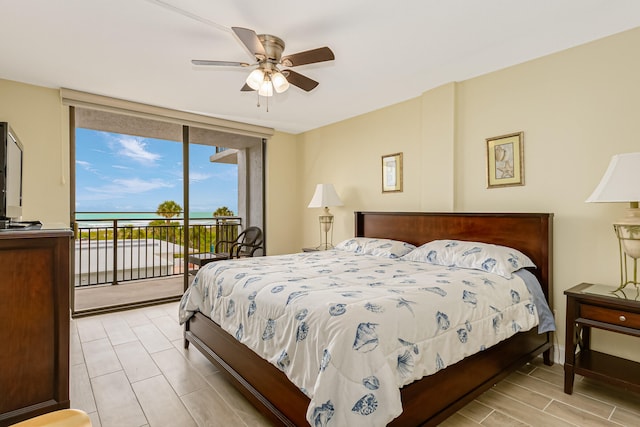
[
  {"x": 266, "y": 89},
  {"x": 280, "y": 83},
  {"x": 621, "y": 181},
  {"x": 324, "y": 196},
  {"x": 255, "y": 79}
]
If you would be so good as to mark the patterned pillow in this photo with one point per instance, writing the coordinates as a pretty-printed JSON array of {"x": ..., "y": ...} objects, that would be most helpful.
[
  {"x": 496, "y": 259},
  {"x": 377, "y": 247}
]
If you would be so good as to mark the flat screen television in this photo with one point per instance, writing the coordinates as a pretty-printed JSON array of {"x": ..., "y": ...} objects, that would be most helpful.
[{"x": 11, "y": 160}]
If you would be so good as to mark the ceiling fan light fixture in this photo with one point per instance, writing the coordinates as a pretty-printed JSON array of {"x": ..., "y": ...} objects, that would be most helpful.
[
  {"x": 280, "y": 83},
  {"x": 256, "y": 79}
]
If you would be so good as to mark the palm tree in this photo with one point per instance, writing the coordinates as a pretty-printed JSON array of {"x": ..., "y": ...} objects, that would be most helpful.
[
  {"x": 224, "y": 232},
  {"x": 168, "y": 209},
  {"x": 223, "y": 211}
]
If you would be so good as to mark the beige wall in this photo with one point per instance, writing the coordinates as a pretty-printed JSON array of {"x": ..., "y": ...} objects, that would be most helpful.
[
  {"x": 41, "y": 123},
  {"x": 576, "y": 108},
  {"x": 282, "y": 217}
]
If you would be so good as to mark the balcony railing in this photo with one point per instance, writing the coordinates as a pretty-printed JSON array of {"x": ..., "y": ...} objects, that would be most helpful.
[{"x": 110, "y": 251}]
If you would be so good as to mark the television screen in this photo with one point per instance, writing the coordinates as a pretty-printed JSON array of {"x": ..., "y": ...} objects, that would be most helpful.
[{"x": 11, "y": 154}]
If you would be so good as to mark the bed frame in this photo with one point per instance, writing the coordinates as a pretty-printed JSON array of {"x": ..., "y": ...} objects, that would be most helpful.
[{"x": 432, "y": 399}]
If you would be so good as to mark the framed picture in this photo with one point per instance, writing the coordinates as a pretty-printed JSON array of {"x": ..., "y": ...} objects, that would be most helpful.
[
  {"x": 505, "y": 160},
  {"x": 392, "y": 173}
]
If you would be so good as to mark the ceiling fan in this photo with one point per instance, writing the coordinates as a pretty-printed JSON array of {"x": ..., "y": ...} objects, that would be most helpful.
[{"x": 267, "y": 76}]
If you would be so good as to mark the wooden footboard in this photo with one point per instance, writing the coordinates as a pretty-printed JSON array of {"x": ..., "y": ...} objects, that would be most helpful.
[
  {"x": 425, "y": 402},
  {"x": 432, "y": 399}
]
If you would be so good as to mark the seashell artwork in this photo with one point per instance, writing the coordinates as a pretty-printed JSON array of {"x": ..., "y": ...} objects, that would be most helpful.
[
  {"x": 326, "y": 358},
  {"x": 372, "y": 382},
  {"x": 367, "y": 405},
  {"x": 443, "y": 321},
  {"x": 439, "y": 362},
  {"x": 471, "y": 251},
  {"x": 513, "y": 260},
  {"x": 530, "y": 308},
  {"x": 436, "y": 290},
  {"x": 405, "y": 363},
  {"x": 302, "y": 332},
  {"x": 322, "y": 414},
  {"x": 469, "y": 297},
  {"x": 463, "y": 335},
  {"x": 251, "y": 280},
  {"x": 366, "y": 337},
  {"x": 295, "y": 295},
  {"x": 496, "y": 322},
  {"x": 403, "y": 303},
  {"x": 269, "y": 330},
  {"x": 337, "y": 309},
  {"x": 252, "y": 308},
  {"x": 283, "y": 361},
  {"x": 515, "y": 326},
  {"x": 277, "y": 289},
  {"x": 515, "y": 296},
  {"x": 374, "y": 308},
  {"x": 413, "y": 346},
  {"x": 488, "y": 264},
  {"x": 300, "y": 315},
  {"x": 231, "y": 308}
]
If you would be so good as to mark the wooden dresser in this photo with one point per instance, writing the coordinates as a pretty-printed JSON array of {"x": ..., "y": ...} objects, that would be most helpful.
[{"x": 34, "y": 323}]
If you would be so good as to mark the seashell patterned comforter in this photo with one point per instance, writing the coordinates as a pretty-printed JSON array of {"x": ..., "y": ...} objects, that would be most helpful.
[{"x": 350, "y": 330}]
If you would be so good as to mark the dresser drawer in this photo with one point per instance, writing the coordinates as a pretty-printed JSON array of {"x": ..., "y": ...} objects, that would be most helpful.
[{"x": 609, "y": 315}]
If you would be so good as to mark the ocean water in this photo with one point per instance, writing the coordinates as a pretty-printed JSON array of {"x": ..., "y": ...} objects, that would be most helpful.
[{"x": 102, "y": 219}]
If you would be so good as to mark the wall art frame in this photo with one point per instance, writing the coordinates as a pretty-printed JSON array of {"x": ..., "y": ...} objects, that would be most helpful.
[
  {"x": 505, "y": 160},
  {"x": 392, "y": 173}
]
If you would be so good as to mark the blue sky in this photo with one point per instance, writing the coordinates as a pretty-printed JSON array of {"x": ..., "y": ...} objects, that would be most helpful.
[{"x": 123, "y": 173}]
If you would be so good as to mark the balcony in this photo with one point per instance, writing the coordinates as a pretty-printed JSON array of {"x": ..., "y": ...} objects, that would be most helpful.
[{"x": 139, "y": 259}]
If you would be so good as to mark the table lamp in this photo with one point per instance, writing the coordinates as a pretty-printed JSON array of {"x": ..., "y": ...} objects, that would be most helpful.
[
  {"x": 324, "y": 197},
  {"x": 621, "y": 183}
]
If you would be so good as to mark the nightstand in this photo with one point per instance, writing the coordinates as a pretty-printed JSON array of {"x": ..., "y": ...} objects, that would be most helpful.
[{"x": 596, "y": 306}]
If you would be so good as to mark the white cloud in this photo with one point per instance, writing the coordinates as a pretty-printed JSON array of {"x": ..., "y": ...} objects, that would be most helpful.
[
  {"x": 86, "y": 166},
  {"x": 136, "y": 149},
  {"x": 120, "y": 167},
  {"x": 130, "y": 186},
  {"x": 199, "y": 176}
]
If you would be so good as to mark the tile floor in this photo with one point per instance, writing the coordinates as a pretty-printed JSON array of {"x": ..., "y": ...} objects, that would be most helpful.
[{"x": 130, "y": 369}]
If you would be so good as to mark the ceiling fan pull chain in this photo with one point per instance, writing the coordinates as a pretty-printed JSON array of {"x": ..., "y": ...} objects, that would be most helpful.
[{"x": 258, "y": 95}]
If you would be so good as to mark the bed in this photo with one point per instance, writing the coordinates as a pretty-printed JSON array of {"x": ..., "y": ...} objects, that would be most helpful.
[{"x": 431, "y": 399}]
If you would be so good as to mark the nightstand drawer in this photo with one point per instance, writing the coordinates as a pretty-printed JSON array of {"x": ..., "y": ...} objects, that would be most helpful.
[{"x": 609, "y": 315}]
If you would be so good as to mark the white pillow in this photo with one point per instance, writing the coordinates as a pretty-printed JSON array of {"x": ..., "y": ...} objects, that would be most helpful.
[
  {"x": 496, "y": 259},
  {"x": 377, "y": 247}
]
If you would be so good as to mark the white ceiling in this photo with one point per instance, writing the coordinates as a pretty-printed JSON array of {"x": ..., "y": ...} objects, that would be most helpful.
[{"x": 386, "y": 51}]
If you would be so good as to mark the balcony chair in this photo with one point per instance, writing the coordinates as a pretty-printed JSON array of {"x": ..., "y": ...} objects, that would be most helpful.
[{"x": 246, "y": 244}]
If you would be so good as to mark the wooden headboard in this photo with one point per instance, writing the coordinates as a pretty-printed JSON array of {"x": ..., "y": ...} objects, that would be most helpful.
[{"x": 530, "y": 233}]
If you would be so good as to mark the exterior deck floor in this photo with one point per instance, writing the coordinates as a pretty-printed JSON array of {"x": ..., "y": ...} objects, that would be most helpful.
[{"x": 138, "y": 293}]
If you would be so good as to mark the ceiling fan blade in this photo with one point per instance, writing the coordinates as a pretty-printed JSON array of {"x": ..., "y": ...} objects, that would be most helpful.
[
  {"x": 219, "y": 63},
  {"x": 297, "y": 79},
  {"x": 320, "y": 54},
  {"x": 251, "y": 41},
  {"x": 246, "y": 88}
]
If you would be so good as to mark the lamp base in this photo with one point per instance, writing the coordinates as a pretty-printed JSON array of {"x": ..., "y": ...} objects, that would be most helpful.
[
  {"x": 326, "y": 222},
  {"x": 628, "y": 233}
]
